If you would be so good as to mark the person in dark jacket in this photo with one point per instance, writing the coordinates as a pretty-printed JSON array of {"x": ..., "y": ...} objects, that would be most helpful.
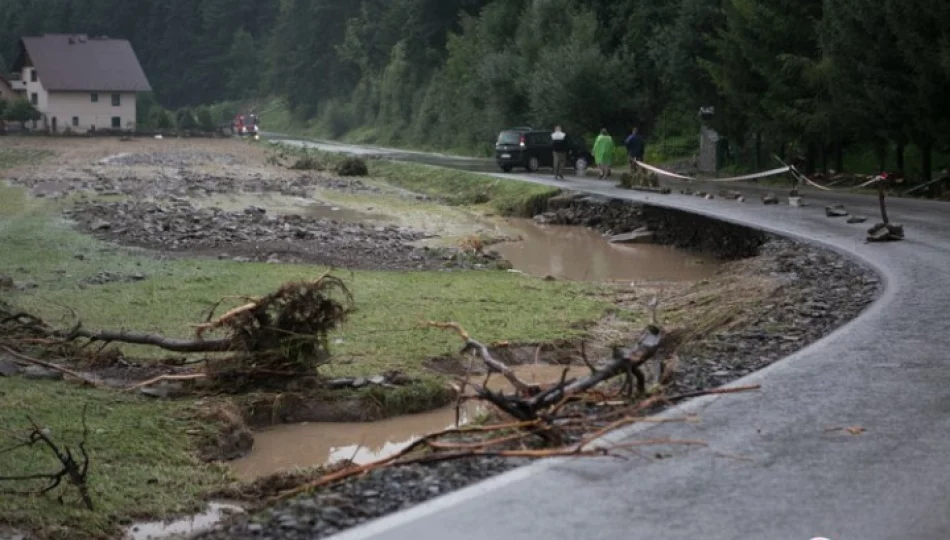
[
  {"x": 559, "y": 144},
  {"x": 635, "y": 147}
]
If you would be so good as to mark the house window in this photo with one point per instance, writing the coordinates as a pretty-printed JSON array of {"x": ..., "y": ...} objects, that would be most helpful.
[
  {"x": 34, "y": 99},
  {"x": 116, "y": 100},
  {"x": 33, "y": 75},
  {"x": 94, "y": 97},
  {"x": 116, "y": 122},
  {"x": 75, "y": 121}
]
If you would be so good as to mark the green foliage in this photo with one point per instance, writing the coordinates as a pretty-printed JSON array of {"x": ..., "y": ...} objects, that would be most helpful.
[
  {"x": 21, "y": 111},
  {"x": 185, "y": 119},
  {"x": 160, "y": 119},
  {"x": 204, "y": 120},
  {"x": 800, "y": 79}
]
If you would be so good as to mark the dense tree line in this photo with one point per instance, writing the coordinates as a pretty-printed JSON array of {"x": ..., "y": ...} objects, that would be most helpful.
[{"x": 809, "y": 77}]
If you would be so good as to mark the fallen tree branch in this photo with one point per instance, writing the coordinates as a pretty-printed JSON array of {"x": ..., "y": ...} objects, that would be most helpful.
[
  {"x": 73, "y": 470},
  {"x": 162, "y": 342},
  {"x": 473, "y": 345},
  {"x": 30, "y": 360}
]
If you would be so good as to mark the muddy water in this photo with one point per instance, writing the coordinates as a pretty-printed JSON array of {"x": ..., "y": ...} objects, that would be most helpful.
[
  {"x": 307, "y": 445},
  {"x": 582, "y": 254},
  {"x": 182, "y": 527}
]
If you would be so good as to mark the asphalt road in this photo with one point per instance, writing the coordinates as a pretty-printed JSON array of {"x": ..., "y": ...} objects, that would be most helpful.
[{"x": 886, "y": 372}]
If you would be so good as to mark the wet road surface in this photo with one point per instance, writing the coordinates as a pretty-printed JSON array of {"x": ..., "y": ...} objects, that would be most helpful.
[{"x": 797, "y": 478}]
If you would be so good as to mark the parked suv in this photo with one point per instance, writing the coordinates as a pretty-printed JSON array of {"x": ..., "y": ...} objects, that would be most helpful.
[{"x": 533, "y": 149}]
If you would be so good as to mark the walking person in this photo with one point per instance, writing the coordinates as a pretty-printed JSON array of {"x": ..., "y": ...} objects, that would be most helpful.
[
  {"x": 559, "y": 145},
  {"x": 604, "y": 153},
  {"x": 635, "y": 147}
]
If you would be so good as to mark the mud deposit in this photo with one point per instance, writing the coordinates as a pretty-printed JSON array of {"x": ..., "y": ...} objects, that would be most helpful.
[
  {"x": 287, "y": 447},
  {"x": 584, "y": 254}
]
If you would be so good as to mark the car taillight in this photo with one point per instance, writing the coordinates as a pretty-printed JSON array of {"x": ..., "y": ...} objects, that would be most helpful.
[{"x": 521, "y": 141}]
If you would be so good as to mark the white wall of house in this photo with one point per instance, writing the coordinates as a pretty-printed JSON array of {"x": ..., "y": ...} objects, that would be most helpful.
[
  {"x": 79, "y": 112},
  {"x": 34, "y": 88}
]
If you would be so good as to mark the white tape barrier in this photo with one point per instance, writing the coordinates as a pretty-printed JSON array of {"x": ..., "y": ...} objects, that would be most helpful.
[{"x": 764, "y": 174}]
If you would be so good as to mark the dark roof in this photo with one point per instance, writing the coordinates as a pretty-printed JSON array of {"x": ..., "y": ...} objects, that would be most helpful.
[{"x": 75, "y": 62}]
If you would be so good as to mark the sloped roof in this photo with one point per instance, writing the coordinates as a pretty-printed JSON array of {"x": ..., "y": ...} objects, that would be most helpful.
[{"x": 76, "y": 62}]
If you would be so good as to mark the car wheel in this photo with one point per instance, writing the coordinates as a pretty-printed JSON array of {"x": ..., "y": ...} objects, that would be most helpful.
[
  {"x": 533, "y": 164},
  {"x": 580, "y": 166},
  {"x": 506, "y": 168}
]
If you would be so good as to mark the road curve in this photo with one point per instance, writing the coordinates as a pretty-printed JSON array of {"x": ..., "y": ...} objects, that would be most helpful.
[{"x": 886, "y": 371}]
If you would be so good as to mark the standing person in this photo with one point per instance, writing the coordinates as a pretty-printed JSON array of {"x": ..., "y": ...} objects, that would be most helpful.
[
  {"x": 559, "y": 145},
  {"x": 604, "y": 153},
  {"x": 635, "y": 147}
]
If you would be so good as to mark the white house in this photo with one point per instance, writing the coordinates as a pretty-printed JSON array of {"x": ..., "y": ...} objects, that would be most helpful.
[{"x": 81, "y": 83}]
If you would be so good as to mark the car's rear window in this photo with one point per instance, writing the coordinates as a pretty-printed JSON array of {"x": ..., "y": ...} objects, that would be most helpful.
[{"x": 509, "y": 137}]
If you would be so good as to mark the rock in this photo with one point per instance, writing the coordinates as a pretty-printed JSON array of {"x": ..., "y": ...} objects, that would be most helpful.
[
  {"x": 39, "y": 373},
  {"x": 359, "y": 382},
  {"x": 255, "y": 528},
  {"x": 164, "y": 391},
  {"x": 6, "y": 282},
  {"x": 100, "y": 224},
  {"x": 769, "y": 198},
  {"x": 25, "y": 285},
  {"x": 857, "y": 219},
  {"x": 377, "y": 380},
  {"x": 836, "y": 211},
  {"x": 8, "y": 368},
  {"x": 636, "y": 237},
  {"x": 795, "y": 201},
  {"x": 885, "y": 233},
  {"x": 337, "y": 384}
]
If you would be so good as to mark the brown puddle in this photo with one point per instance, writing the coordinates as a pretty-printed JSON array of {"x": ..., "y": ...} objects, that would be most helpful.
[
  {"x": 287, "y": 447},
  {"x": 183, "y": 527},
  {"x": 582, "y": 254}
]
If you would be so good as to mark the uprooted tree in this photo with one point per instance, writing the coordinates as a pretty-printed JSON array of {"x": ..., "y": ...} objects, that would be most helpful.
[{"x": 278, "y": 336}]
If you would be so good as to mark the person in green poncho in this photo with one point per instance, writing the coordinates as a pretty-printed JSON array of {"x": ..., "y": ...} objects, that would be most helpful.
[{"x": 604, "y": 152}]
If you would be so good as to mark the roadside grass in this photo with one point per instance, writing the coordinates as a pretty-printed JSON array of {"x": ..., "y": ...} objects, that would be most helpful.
[
  {"x": 465, "y": 188},
  {"x": 384, "y": 333},
  {"x": 142, "y": 464}
]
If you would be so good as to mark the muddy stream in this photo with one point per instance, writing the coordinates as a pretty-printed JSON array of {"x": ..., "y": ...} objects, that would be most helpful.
[
  {"x": 582, "y": 254},
  {"x": 287, "y": 447}
]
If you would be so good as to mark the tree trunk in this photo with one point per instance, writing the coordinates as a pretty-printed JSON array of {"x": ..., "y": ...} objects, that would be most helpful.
[
  {"x": 758, "y": 151},
  {"x": 810, "y": 158},
  {"x": 880, "y": 152},
  {"x": 823, "y": 157},
  {"x": 900, "y": 158},
  {"x": 926, "y": 162},
  {"x": 839, "y": 157}
]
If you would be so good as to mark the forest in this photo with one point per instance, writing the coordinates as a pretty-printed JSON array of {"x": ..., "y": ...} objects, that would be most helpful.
[{"x": 820, "y": 79}]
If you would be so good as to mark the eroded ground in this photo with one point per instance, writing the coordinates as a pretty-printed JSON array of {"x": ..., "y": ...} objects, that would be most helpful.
[{"x": 158, "y": 231}]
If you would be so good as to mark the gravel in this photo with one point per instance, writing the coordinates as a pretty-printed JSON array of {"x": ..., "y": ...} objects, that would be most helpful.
[
  {"x": 820, "y": 291},
  {"x": 351, "y": 503},
  {"x": 255, "y": 235}
]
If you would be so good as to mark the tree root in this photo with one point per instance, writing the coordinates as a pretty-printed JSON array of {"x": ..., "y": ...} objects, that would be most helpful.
[{"x": 73, "y": 470}]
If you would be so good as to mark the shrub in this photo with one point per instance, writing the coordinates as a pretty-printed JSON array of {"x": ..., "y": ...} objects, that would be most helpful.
[{"x": 352, "y": 166}]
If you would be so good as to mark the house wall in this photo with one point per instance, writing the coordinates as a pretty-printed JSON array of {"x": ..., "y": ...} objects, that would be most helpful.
[
  {"x": 65, "y": 105},
  {"x": 6, "y": 91},
  {"x": 34, "y": 87}
]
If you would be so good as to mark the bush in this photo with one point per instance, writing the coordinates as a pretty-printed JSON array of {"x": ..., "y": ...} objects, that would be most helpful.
[
  {"x": 205, "y": 120},
  {"x": 352, "y": 166},
  {"x": 308, "y": 162},
  {"x": 160, "y": 119},
  {"x": 21, "y": 111},
  {"x": 185, "y": 119}
]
